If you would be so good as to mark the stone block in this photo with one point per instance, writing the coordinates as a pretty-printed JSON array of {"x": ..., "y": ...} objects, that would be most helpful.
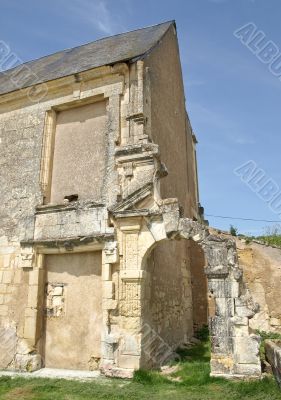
[
  {"x": 32, "y": 296},
  {"x": 244, "y": 311},
  {"x": 240, "y": 330},
  {"x": 219, "y": 326},
  {"x": 111, "y": 253},
  {"x": 108, "y": 290},
  {"x": 57, "y": 301},
  {"x": 108, "y": 304},
  {"x": 107, "y": 350},
  {"x": 224, "y": 307},
  {"x": 129, "y": 361},
  {"x": 28, "y": 362},
  {"x": 57, "y": 291},
  {"x": 171, "y": 221},
  {"x": 132, "y": 274},
  {"x": 30, "y": 312},
  {"x": 6, "y": 260},
  {"x": 7, "y": 277},
  {"x": 106, "y": 272},
  {"x": 17, "y": 276},
  {"x": 4, "y": 310},
  {"x": 30, "y": 328},
  {"x": 244, "y": 321},
  {"x": 24, "y": 346},
  {"x": 221, "y": 344},
  {"x": 246, "y": 349},
  {"x": 221, "y": 365},
  {"x": 34, "y": 277},
  {"x": 8, "y": 344},
  {"x": 247, "y": 370},
  {"x": 3, "y": 288},
  {"x": 158, "y": 230},
  {"x": 7, "y": 298},
  {"x": 216, "y": 255}
]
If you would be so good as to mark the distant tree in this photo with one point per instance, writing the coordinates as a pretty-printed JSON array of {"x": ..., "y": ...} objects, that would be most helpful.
[{"x": 233, "y": 231}]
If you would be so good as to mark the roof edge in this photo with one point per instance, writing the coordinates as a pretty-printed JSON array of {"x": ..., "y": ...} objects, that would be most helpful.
[{"x": 170, "y": 22}]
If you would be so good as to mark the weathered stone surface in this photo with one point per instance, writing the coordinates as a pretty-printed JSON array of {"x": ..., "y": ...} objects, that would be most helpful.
[
  {"x": 28, "y": 362},
  {"x": 8, "y": 344},
  {"x": 262, "y": 273},
  {"x": 273, "y": 356},
  {"x": 246, "y": 349},
  {"x": 102, "y": 275}
]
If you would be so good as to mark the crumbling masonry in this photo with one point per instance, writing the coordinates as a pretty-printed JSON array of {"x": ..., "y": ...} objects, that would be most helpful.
[{"x": 100, "y": 216}]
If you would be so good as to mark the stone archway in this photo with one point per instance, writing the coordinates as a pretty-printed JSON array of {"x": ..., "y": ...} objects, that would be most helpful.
[{"x": 235, "y": 351}]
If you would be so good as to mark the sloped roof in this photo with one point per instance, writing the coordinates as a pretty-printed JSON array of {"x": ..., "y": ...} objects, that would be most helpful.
[{"x": 107, "y": 51}]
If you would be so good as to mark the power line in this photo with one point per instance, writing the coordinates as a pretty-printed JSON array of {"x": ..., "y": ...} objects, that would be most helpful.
[{"x": 242, "y": 219}]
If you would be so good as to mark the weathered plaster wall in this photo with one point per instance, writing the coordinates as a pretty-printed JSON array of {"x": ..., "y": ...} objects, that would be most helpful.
[
  {"x": 171, "y": 297},
  {"x": 169, "y": 126},
  {"x": 169, "y": 303},
  {"x": 80, "y": 153},
  {"x": 199, "y": 286},
  {"x": 262, "y": 273},
  {"x": 73, "y": 330}
]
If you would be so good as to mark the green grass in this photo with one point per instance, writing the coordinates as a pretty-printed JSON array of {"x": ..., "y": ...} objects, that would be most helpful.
[
  {"x": 269, "y": 240},
  {"x": 272, "y": 240},
  {"x": 190, "y": 382}
]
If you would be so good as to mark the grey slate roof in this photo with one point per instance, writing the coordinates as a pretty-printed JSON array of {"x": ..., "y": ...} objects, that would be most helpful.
[{"x": 107, "y": 51}]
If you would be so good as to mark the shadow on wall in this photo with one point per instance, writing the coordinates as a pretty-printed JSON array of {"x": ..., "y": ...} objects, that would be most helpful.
[{"x": 199, "y": 286}]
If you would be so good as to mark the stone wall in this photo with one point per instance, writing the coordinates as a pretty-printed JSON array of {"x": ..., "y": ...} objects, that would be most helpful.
[
  {"x": 170, "y": 304},
  {"x": 168, "y": 307},
  {"x": 199, "y": 286},
  {"x": 26, "y": 135},
  {"x": 169, "y": 125},
  {"x": 262, "y": 273}
]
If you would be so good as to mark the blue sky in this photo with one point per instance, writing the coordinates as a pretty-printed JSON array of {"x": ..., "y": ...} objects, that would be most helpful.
[{"x": 233, "y": 100}]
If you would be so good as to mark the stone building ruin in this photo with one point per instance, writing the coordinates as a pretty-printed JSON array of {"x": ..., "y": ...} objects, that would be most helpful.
[{"x": 102, "y": 235}]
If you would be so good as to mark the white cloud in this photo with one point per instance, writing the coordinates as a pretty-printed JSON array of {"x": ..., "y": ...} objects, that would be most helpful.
[{"x": 99, "y": 14}]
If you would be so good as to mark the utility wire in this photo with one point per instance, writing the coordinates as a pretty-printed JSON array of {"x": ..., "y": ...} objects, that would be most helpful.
[{"x": 242, "y": 219}]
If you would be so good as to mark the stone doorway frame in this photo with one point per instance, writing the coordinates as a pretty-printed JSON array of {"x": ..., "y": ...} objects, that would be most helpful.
[
  {"x": 235, "y": 350},
  {"x": 32, "y": 255}
]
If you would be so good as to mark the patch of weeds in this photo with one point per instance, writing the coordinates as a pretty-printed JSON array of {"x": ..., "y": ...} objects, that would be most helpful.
[
  {"x": 203, "y": 333},
  {"x": 264, "y": 336}
]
